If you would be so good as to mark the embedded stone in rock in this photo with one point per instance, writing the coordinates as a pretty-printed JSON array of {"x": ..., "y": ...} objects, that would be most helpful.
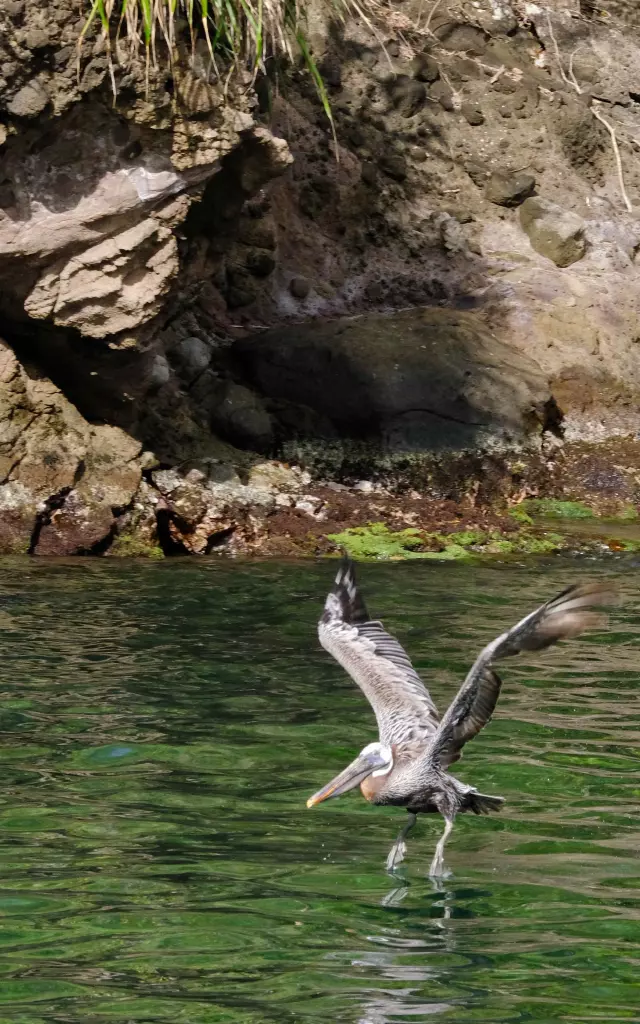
[
  {"x": 331, "y": 71},
  {"x": 356, "y": 136},
  {"x": 463, "y": 38},
  {"x": 28, "y": 101},
  {"x": 260, "y": 264},
  {"x": 477, "y": 172},
  {"x": 443, "y": 93},
  {"x": 299, "y": 287},
  {"x": 159, "y": 371},
  {"x": 188, "y": 500},
  {"x": 192, "y": 356},
  {"x": 194, "y": 93},
  {"x": 241, "y": 290},
  {"x": 554, "y": 232},
  {"x": 425, "y": 68},
  {"x": 242, "y": 419},
  {"x": 472, "y": 114},
  {"x": 408, "y": 96},
  {"x": 37, "y": 38},
  {"x": 278, "y": 477},
  {"x": 111, "y": 473},
  {"x": 258, "y": 232},
  {"x": 395, "y": 165},
  {"x": 419, "y": 380},
  {"x": 509, "y": 189}
]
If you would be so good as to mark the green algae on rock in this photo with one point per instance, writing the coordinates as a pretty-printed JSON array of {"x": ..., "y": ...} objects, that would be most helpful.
[
  {"x": 127, "y": 545},
  {"x": 555, "y": 508},
  {"x": 377, "y": 541}
]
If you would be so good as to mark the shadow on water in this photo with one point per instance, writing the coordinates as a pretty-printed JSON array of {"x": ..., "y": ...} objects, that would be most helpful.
[{"x": 160, "y": 729}]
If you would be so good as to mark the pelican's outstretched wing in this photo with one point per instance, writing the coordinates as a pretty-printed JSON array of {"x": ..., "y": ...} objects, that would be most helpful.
[
  {"x": 564, "y": 616},
  {"x": 378, "y": 664}
]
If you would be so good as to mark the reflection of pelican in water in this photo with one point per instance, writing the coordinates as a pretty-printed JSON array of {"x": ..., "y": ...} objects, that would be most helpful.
[
  {"x": 403, "y": 955},
  {"x": 408, "y": 766}
]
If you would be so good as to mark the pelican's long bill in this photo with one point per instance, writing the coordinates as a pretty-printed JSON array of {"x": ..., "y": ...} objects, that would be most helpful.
[{"x": 352, "y": 776}]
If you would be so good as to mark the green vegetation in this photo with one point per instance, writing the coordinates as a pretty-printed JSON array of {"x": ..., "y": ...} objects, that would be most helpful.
[
  {"x": 554, "y": 508},
  {"x": 243, "y": 33},
  {"x": 628, "y": 513},
  {"x": 520, "y": 514},
  {"x": 525, "y": 544},
  {"x": 128, "y": 546},
  {"x": 377, "y": 541}
]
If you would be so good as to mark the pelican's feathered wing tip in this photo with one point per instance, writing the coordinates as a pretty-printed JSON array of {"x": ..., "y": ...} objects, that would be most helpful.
[
  {"x": 575, "y": 610},
  {"x": 344, "y": 603},
  {"x": 567, "y": 615}
]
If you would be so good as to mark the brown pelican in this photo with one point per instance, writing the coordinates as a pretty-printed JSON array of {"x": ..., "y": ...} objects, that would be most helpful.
[{"x": 407, "y": 767}]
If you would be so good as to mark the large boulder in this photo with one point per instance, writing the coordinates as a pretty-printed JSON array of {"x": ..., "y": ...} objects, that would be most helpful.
[{"x": 417, "y": 380}]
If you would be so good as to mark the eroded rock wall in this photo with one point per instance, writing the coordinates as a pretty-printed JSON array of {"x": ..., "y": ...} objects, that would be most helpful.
[
  {"x": 146, "y": 246},
  {"x": 476, "y": 174}
]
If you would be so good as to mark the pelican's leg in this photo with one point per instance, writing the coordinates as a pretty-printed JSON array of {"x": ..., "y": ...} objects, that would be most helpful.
[
  {"x": 399, "y": 848},
  {"x": 437, "y": 864}
]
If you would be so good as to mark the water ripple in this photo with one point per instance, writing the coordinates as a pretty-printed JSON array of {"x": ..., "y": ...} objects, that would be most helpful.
[{"x": 160, "y": 729}]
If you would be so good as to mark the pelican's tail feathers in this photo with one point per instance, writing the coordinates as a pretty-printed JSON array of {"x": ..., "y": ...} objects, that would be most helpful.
[{"x": 480, "y": 803}]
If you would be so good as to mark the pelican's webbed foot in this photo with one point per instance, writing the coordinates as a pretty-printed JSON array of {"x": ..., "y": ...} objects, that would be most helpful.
[
  {"x": 399, "y": 848},
  {"x": 397, "y": 854}
]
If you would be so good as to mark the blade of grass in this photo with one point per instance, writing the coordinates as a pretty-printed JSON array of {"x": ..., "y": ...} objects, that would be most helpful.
[
  {"x": 321, "y": 88},
  {"x": 247, "y": 32}
]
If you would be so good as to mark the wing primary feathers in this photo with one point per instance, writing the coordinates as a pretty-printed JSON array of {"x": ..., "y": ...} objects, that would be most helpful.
[
  {"x": 564, "y": 616},
  {"x": 344, "y": 602},
  {"x": 377, "y": 663}
]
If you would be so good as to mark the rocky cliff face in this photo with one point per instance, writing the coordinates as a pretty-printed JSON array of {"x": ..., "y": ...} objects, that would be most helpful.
[{"x": 192, "y": 283}]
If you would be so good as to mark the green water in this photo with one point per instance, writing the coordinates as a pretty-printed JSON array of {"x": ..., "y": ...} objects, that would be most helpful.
[{"x": 161, "y": 728}]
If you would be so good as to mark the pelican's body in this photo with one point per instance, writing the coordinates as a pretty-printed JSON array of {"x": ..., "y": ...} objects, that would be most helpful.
[{"x": 407, "y": 767}]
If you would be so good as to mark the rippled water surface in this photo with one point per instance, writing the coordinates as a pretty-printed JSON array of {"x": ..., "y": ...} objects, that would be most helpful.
[{"x": 161, "y": 727}]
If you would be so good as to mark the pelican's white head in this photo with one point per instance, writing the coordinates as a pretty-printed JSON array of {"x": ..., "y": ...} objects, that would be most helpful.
[
  {"x": 383, "y": 755},
  {"x": 375, "y": 759}
]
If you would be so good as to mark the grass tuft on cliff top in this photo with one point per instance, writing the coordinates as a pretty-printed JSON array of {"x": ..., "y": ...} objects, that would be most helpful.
[{"x": 243, "y": 32}]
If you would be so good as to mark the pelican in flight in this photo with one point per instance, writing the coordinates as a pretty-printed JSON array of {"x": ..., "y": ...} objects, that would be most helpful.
[{"x": 408, "y": 765}]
